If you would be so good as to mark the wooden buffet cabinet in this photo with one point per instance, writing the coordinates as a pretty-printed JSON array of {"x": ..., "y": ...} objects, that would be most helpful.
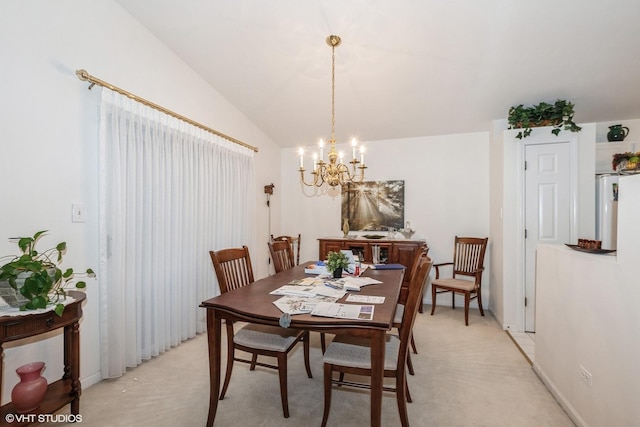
[
  {"x": 392, "y": 251},
  {"x": 67, "y": 389}
]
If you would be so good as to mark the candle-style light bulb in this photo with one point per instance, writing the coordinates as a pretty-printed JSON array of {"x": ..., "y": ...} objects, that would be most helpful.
[
  {"x": 315, "y": 160},
  {"x": 354, "y": 143},
  {"x": 341, "y": 156},
  {"x": 301, "y": 152},
  {"x": 362, "y": 154}
]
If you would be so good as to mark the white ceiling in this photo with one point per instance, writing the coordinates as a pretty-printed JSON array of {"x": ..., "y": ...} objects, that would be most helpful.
[{"x": 405, "y": 67}]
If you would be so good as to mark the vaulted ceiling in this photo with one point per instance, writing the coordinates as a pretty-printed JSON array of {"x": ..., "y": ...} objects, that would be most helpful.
[{"x": 405, "y": 68}]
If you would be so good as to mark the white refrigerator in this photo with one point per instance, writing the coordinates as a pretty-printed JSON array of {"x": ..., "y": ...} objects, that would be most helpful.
[{"x": 607, "y": 210}]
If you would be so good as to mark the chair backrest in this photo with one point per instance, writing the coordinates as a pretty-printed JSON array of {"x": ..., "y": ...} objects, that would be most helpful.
[
  {"x": 416, "y": 288},
  {"x": 293, "y": 241},
  {"x": 233, "y": 268},
  {"x": 420, "y": 254},
  {"x": 281, "y": 255},
  {"x": 468, "y": 257}
]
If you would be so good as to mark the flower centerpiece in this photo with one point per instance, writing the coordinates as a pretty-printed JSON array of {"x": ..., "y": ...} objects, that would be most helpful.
[
  {"x": 336, "y": 262},
  {"x": 37, "y": 276},
  {"x": 626, "y": 160}
]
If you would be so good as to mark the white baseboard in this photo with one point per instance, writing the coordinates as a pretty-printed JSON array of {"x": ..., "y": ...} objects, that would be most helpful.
[{"x": 570, "y": 410}]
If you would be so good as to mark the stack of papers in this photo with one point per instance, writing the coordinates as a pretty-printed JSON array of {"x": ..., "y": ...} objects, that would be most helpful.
[
  {"x": 300, "y": 305},
  {"x": 343, "y": 311}
]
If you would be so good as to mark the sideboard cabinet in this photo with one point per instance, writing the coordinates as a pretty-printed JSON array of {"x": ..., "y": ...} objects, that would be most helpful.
[{"x": 392, "y": 251}]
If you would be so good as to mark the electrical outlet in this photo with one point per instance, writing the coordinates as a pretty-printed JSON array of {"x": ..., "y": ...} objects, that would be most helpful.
[{"x": 586, "y": 376}]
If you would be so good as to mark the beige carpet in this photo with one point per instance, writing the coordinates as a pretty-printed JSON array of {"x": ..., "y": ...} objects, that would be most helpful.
[{"x": 465, "y": 376}]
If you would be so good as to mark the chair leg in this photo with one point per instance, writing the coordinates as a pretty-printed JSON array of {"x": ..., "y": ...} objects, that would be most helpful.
[
  {"x": 323, "y": 342},
  {"x": 230, "y": 359},
  {"x": 327, "y": 393},
  {"x": 305, "y": 344},
  {"x": 421, "y": 306},
  {"x": 453, "y": 300},
  {"x": 466, "y": 308},
  {"x": 254, "y": 359},
  {"x": 433, "y": 299},
  {"x": 413, "y": 345},
  {"x": 479, "y": 299},
  {"x": 410, "y": 364},
  {"x": 401, "y": 398},
  {"x": 282, "y": 373},
  {"x": 409, "y": 399}
]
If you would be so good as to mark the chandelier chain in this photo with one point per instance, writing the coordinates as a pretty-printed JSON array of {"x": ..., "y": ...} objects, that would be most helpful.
[{"x": 333, "y": 92}]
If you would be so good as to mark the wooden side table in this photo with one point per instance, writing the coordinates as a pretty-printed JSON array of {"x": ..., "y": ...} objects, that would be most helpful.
[{"x": 66, "y": 390}]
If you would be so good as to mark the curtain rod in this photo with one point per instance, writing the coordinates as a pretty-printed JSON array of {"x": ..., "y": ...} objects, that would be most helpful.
[{"x": 85, "y": 76}]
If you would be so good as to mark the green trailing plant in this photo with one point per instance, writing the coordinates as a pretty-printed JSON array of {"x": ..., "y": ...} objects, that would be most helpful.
[
  {"x": 559, "y": 115},
  {"x": 37, "y": 275},
  {"x": 336, "y": 260}
]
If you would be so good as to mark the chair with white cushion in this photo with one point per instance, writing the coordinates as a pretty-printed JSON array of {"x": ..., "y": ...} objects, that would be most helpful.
[
  {"x": 233, "y": 270},
  {"x": 468, "y": 261},
  {"x": 352, "y": 355}
]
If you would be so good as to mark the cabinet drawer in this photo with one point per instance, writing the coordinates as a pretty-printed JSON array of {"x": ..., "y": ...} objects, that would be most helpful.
[{"x": 25, "y": 326}]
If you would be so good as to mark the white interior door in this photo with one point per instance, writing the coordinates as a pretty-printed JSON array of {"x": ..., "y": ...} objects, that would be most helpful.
[{"x": 547, "y": 209}]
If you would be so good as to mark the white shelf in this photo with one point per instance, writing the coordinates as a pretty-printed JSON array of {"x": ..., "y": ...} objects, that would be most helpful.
[{"x": 606, "y": 150}]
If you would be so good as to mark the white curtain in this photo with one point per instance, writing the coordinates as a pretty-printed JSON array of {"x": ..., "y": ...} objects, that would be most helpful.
[{"x": 169, "y": 193}]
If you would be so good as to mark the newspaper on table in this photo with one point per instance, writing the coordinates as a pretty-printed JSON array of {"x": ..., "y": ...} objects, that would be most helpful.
[{"x": 343, "y": 311}]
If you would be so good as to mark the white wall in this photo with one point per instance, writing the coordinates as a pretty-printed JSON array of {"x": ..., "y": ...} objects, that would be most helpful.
[
  {"x": 446, "y": 193},
  {"x": 49, "y": 133},
  {"x": 587, "y": 315}
]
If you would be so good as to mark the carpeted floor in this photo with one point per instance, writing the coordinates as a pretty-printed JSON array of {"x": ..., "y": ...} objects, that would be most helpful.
[{"x": 465, "y": 376}]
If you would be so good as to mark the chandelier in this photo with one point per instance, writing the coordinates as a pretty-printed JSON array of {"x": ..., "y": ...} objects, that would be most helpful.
[{"x": 334, "y": 171}]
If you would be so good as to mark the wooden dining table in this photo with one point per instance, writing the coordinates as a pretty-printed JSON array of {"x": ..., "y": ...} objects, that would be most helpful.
[{"x": 254, "y": 304}]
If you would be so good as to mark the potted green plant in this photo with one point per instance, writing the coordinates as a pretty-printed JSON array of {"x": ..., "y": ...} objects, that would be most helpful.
[
  {"x": 37, "y": 276},
  {"x": 336, "y": 262},
  {"x": 559, "y": 115}
]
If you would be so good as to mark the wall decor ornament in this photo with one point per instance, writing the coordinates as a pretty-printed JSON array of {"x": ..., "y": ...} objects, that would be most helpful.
[{"x": 374, "y": 205}]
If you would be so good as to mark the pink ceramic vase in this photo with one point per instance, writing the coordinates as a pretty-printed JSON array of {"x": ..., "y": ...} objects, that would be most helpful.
[{"x": 27, "y": 395}]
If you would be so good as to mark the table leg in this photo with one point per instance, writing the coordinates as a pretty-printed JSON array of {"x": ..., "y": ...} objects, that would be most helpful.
[
  {"x": 214, "y": 330},
  {"x": 377, "y": 375}
]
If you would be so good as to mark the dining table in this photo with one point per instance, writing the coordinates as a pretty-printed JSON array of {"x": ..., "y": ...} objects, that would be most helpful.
[{"x": 254, "y": 304}]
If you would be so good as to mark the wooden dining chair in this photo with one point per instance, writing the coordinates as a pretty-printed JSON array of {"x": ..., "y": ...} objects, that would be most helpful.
[
  {"x": 293, "y": 241},
  {"x": 282, "y": 256},
  {"x": 397, "y": 320},
  {"x": 352, "y": 355},
  {"x": 233, "y": 270},
  {"x": 468, "y": 261}
]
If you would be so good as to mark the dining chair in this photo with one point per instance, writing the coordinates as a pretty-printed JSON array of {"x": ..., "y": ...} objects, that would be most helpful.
[
  {"x": 397, "y": 320},
  {"x": 294, "y": 241},
  {"x": 282, "y": 256},
  {"x": 468, "y": 261},
  {"x": 233, "y": 270},
  {"x": 352, "y": 355}
]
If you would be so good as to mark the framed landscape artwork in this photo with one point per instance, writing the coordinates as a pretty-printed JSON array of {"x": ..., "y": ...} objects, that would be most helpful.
[{"x": 373, "y": 205}]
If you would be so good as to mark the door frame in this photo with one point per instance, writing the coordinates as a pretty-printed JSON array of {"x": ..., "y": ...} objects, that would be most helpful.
[{"x": 514, "y": 215}]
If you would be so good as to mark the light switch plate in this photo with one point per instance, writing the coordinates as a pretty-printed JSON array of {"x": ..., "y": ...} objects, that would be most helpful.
[{"x": 78, "y": 213}]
